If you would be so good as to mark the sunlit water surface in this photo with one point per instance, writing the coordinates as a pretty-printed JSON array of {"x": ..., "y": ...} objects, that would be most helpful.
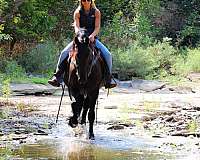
[{"x": 108, "y": 145}]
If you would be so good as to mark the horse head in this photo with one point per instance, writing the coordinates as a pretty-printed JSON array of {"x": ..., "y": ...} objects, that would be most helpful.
[{"x": 84, "y": 55}]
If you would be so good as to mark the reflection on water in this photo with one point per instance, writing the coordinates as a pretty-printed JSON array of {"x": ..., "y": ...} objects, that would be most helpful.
[
  {"x": 73, "y": 149},
  {"x": 108, "y": 145}
]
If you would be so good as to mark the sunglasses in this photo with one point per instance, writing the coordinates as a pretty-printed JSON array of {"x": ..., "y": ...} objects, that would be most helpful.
[{"x": 86, "y": 0}]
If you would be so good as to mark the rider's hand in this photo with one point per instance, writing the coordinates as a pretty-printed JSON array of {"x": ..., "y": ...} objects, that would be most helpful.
[{"x": 91, "y": 37}]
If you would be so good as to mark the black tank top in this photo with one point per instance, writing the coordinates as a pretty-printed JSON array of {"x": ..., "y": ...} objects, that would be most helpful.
[{"x": 87, "y": 21}]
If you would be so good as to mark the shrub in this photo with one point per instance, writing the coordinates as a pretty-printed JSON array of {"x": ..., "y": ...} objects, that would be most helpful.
[
  {"x": 164, "y": 55},
  {"x": 41, "y": 60},
  {"x": 187, "y": 63},
  {"x": 152, "y": 62},
  {"x": 6, "y": 91},
  {"x": 193, "y": 60},
  {"x": 134, "y": 59},
  {"x": 14, "y": 70}
]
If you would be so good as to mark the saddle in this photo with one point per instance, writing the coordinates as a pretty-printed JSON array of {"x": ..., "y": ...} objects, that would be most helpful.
[{"x": 97, "y": 52}]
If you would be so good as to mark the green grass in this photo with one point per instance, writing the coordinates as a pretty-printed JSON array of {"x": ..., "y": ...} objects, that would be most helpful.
[
  {"x": 38, "y": 80},
  {"x": 25, "y": 79}
]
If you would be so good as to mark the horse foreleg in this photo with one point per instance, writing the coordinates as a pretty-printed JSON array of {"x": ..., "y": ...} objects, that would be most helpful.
[
  {"x": 91, "y": 118},
  {"x": 76, "y": 109},
  {"x": 85, "y": 110},
  {"x": 91, "y": 115}
]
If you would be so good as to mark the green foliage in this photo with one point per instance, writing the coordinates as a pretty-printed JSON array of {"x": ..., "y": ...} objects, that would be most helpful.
[
  {"x": 191, "y": 30},
  {"x": 38, "y": 80},
  {"x": 14, "y": 70},
  {"x": 38, "y": 20},
  {"x": 146, "y": 11},
  {"x": 134, "y": 59},
  {"x": 132, "y": 30},
  {"x": 5, "y": 153},
  {"x": 110, "y": 8},
  {"x": 155, "y": 61},
  {"x": 39, "y": 23},
  {"x": 6, "y": 91},
  {"x": 3, "y": 5},
  {"x": 188, "y": 63},
  {"x": 115, "y": 34},
  {"x": 193, "y": 125},
  {"x": 193, "y": 60},
  {"x": 41, "y": 60},
  {"x": 164, "y": 55},
  {"x": 4, "y": 36}
]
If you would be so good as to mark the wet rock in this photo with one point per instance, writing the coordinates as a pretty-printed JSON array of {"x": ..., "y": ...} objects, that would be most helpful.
[
  {"x": 115, "y": 127},
  {"x": 19, "y": 137},
  {"x": 149, "y": 117},
  {"x": 110, "y": 107},
  {"x": 18, "y": 126},
  {"x": 147, "y": 85},
  {"x": 179, "y": 123},
  {"x": 22, "y": 141},
  {"x": 146, "y": 126},
  {"x": 32, "y": 89},
  {"x": 41, "y": 132},
  {"x": 197, "y": 108},
  {"x": 169, "y": 119},
  {"x": 186, "y": 134},
  {"x": 124, "y": 84},
  {"x": 21, "y": 131},
  {"x": 194, "y": 77},
  {"x": 157, "y": 136},
  {"x": 181, "y": 89},
  {"x": 187, "y": 108},
  {"x": 118, "y": 140},
  {"x": 127, "y": 124}
]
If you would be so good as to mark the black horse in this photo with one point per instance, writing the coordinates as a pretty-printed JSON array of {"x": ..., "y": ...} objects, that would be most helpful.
[{"x": 84, "y": 77}]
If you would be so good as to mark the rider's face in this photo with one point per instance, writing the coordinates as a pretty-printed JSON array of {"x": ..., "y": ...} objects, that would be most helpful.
[{"x": 86, "y": 2}]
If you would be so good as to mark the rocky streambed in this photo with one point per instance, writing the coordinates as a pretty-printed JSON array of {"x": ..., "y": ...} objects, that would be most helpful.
[{"x": 133, "y": 122}]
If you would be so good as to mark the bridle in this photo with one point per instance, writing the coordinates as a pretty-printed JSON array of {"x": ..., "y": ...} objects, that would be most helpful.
[{"x": 92, "y": 60}]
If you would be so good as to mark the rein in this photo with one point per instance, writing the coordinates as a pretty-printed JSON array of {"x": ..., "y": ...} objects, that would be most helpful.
[{"x": 95, "y": 57}]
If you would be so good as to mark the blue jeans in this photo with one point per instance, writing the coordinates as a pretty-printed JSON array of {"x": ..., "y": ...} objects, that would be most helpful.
[{"x": 105, "y": 53}]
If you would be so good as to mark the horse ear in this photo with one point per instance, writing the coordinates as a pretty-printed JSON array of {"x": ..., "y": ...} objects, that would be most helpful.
[{"x": 76, "y": 40}]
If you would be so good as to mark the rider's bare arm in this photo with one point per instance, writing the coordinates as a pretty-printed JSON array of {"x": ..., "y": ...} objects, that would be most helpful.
[
  {"x": 97, "y": 22},
  {"x": 76, "y": 21}
]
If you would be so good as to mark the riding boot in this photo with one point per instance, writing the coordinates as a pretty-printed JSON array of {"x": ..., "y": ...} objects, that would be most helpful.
[
  {"x": 57, "y": 79},
  {"x": 109, "y": 82}
]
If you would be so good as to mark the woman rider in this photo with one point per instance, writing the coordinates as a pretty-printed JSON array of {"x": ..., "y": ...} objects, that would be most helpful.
[{"x": 89, "y": 17}]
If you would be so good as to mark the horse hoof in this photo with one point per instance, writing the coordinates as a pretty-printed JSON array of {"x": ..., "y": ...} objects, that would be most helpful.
[
  {"x": 83, "y": 122},
  {"x": 73, "y": 122},
  {"x": 91, "y": 137}
]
